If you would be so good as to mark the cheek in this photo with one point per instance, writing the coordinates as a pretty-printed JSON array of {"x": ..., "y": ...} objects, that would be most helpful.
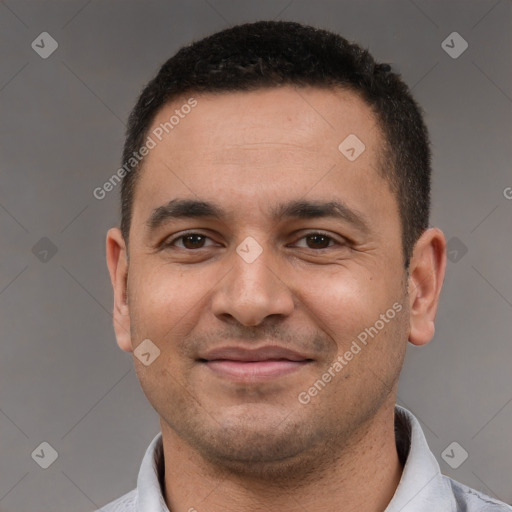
[
  {"x": 344, "y": 304},
  {"x": 163, "y": 301},
  {"x": 340, "y": 301}
]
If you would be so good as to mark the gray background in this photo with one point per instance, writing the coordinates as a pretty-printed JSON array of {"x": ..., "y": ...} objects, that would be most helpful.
[{"x": 63, "y": 379}]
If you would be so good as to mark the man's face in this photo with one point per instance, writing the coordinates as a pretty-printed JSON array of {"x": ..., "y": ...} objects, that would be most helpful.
[{"x": 317, "y": 284}]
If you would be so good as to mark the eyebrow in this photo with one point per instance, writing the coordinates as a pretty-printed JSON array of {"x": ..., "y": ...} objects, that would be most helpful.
[{"x": 300, "y": 209}]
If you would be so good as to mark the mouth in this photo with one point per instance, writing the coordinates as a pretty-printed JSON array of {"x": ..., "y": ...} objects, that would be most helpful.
[{"x": 244, "y": 365}]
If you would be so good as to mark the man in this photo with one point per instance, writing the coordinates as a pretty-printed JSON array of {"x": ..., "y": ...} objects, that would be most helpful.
[{"x": 274, "y": 258}]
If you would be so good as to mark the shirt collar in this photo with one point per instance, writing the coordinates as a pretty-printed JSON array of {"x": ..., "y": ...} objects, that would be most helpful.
[
  {"x": 421, "y": 488},
  {"x": 150, "y": 482}
]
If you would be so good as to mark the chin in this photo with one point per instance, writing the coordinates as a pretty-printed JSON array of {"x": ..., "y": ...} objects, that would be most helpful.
[{"x": 257, "y": 441}]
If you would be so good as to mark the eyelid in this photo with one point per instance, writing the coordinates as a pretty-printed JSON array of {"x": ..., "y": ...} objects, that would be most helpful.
[
  {"x": 342, "y": 241},
  {"x": 170, "y": 243}
]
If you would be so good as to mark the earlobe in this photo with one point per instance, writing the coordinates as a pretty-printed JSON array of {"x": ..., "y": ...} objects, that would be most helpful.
[
  {"x": 117, "y": 263},
  {"x": 426, "y": 276}
]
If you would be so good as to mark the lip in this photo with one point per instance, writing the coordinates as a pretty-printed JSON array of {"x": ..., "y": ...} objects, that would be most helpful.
[{"x": 241, "y": 364}]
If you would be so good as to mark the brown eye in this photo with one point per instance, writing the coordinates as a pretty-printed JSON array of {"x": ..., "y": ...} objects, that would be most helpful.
[
  {"x": 193, "y": 241},
  {"x": 318, "y": 241},
  {"x": 188, "y": 241}
]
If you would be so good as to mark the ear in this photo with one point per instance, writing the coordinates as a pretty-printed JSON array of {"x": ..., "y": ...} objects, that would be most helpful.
[
  {"x": 117, "y": 262},
  {"x": 426, "y": 275}
]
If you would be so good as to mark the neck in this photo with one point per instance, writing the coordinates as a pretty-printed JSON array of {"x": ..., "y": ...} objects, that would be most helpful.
[{"x": 362, "y": 476}]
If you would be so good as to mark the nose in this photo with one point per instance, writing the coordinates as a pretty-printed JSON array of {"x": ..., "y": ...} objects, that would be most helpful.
[{"x": 252, "y": 291}]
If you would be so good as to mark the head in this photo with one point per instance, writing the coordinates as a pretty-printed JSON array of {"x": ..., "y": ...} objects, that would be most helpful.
[{"x": 284, "y": 203}]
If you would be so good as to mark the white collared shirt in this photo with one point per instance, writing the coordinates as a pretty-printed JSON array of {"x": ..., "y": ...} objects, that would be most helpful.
[{"x": 422, "y": 487}]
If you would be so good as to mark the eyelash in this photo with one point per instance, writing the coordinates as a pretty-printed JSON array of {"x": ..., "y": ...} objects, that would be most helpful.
[{"x": 170, "y": 243}]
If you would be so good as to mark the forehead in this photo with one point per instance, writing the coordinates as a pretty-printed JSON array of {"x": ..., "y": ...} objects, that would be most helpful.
[
  {"x": 265, "y": 143},
  {"x": 309, "y": 117}
]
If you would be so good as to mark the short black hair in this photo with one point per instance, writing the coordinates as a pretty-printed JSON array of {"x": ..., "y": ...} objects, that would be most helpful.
[{"x": 268, "y": 54}]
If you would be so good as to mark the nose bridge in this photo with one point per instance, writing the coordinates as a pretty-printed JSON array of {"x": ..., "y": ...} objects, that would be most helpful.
[
  {"x": 252, "y": 268},
  {"x": 253, "y": 290}
]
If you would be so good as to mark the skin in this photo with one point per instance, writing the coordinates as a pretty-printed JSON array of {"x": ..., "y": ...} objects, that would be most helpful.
[{"x": 251, "y": 446}]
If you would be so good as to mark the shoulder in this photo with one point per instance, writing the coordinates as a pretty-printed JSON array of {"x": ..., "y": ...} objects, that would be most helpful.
[
  {"x": 471, "y": 500},
  {"x": 125, "y": 503}
]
